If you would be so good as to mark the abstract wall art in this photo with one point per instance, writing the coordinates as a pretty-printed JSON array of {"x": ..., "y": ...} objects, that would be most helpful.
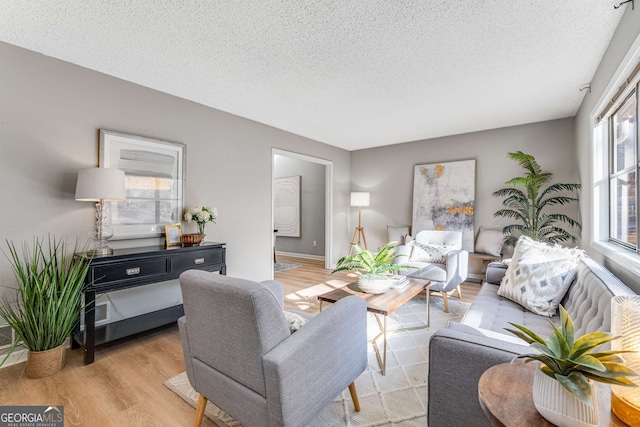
[
  {"x": 154, "y": 179},
  {"x": 443, "y": 198}
]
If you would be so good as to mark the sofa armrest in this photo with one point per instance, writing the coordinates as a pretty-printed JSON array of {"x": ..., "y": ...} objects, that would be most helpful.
[
  {"x": 310, "y": 368},
  {"x": 495, "y": 272},
  {"x": 457, "y": 359}
]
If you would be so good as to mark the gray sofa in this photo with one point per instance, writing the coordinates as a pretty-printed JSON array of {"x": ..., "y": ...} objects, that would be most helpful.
[{"x": 460, "y": 353}]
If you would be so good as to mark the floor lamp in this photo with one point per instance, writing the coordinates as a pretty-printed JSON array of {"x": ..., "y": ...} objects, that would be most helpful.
[{"x": 359, "y": 199}]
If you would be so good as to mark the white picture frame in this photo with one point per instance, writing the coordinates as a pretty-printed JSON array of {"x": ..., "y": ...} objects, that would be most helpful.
[{"x": 154, "y": 180}]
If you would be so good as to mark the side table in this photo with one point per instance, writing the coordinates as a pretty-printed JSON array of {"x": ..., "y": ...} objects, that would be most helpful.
[{"x": 505, "y": 392}]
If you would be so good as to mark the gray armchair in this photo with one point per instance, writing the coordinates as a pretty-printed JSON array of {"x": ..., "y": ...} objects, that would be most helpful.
[
  {"x": 240, "y": 354},
  {"x": 444, "y": 277}
]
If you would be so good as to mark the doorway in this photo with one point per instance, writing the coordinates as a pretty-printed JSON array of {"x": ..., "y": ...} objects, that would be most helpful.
[{"x": 314, "y": 228}]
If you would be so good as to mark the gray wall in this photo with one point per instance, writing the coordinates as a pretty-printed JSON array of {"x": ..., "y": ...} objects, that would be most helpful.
[
  {"x": 312, "y": 205},
  {"x": 622, "y": 40},
  {"x": 387, "y": 172},
  {"x": 50, "y": 113}
]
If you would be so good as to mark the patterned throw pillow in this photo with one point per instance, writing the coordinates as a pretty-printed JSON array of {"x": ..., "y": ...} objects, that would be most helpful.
[
  {"x": 422, "y": 252},
  {"x": 539, "y": 275},
  {"x": 294, "y": 321}
]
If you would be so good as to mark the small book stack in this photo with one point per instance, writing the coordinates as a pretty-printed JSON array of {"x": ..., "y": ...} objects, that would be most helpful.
[{"x": 398, "y": 282}]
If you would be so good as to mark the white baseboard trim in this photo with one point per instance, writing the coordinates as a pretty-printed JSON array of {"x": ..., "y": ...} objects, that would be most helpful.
[
  {"x": 475, "y": 277},
  {"x": 20, "y": 353},
  {"x": 307, "y": 256}
]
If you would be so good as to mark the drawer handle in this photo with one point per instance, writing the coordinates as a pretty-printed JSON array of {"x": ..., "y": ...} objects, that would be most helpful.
[
  {"x": 133, "y": 271},
  {"x": 199, "y": 260}
]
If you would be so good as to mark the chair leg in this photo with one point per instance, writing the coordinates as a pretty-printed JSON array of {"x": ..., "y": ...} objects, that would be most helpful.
[
  {"x": 428, "y": 309},
  {"x": 446, "y": 302},
  {"x": 354, "y": 396},
  {"x": 202, "y": 403},
  {"x": 459, "y": 291}
]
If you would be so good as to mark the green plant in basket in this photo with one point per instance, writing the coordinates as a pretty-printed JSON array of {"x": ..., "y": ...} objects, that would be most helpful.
[
  {"x": 47, "y": 303},
  {"x": 372, "y": 265},
  {"x": 573, "y": 362}
]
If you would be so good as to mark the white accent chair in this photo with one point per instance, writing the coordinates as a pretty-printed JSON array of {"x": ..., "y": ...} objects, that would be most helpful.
[{"x": 444, "y": 277}]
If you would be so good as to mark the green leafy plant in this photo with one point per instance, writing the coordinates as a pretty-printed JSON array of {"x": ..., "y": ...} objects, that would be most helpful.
[
  {"x": 47, "y": 303},
  {"x": 372, "y": 265},
  {"x": 572, "y": 362},
  {"x": 529, "y": 206}
]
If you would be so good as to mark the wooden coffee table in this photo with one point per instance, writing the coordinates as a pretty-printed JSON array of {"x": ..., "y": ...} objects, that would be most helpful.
[{"x": 381, "y": 305}]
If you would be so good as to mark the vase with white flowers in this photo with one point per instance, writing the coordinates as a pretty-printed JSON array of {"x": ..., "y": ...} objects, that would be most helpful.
[{"x": 201, "y": 215}]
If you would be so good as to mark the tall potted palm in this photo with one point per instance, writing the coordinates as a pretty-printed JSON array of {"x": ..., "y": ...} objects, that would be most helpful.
[
  {"x": 529, "y": 205},
  {"x": 46, "y": 304}
]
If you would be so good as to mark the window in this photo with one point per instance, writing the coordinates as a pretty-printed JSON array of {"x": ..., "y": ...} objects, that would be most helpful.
[{"x": 623, "y": 183}]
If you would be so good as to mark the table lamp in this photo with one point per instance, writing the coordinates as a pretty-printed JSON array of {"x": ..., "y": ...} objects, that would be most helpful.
[
  {"x": 101, "y": 185},
  {"x": 625, "y": 323},
  {"x": 359, "y": 199}
]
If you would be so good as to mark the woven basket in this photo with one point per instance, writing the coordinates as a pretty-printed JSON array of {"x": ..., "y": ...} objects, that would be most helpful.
[
  {"x": 44, "y": 363},
  {"x": 191, "y": 239}
]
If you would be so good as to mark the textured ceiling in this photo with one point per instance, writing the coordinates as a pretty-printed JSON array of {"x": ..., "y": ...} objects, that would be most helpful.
[{"x": 354, "y": 74}]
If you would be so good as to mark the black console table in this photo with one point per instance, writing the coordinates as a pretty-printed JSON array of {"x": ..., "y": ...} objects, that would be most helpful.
[{"x": 133, "y": 267}]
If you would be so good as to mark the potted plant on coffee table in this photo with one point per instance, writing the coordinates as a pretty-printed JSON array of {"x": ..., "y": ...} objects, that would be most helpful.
[
  {"x": 46, "y": 305},
  {"x": 376, "y": 267},
  {"x": 569, "y": 367}
]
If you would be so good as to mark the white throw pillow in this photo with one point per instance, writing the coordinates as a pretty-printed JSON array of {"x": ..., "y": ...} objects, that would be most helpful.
[
  {"x": 539, "y": 275},
  {"x": 489, "y": 241},
  {"x": 294, "y": 321},
  {"x": 422, "y": 252}
]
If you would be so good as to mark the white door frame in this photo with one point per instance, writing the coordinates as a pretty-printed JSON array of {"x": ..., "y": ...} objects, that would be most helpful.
[{"x": 328, "y": 214}]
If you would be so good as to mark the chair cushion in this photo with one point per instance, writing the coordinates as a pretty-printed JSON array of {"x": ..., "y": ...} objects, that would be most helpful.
[
  {"x": 489, "y": 241},
  {"x": 433, "y": 272},
  {"x": 539, "y": 275}
]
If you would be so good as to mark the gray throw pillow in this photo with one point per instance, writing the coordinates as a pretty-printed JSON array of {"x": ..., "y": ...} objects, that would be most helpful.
[
  {"x": 397, "y": 234},
  {"x": 489, "y": 241}
]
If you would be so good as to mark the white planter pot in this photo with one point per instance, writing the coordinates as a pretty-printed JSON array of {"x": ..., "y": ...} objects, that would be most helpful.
[
  {"x": 374, "y": 286},
  {"x": 560, "y": 407}
]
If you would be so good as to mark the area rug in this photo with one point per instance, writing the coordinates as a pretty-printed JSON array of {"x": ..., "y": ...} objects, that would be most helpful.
[
  {"x": 397, "y": 399},
  {"x": 281, "y": 266}
]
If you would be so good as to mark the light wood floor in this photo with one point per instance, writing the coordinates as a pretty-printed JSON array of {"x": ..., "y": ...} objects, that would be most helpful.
[{"x": 125, "y": 385}]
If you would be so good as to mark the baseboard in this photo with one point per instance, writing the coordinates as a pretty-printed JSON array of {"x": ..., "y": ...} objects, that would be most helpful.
[
  {"x": 307, "y": 256},
  {"x": 20, "y": 353},
  {"x": 475, "y": 277}
]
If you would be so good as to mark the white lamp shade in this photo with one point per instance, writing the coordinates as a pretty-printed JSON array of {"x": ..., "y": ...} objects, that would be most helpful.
[
  {"x": 95, "y": 184},
  {"x": 360, "y": 198}
]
